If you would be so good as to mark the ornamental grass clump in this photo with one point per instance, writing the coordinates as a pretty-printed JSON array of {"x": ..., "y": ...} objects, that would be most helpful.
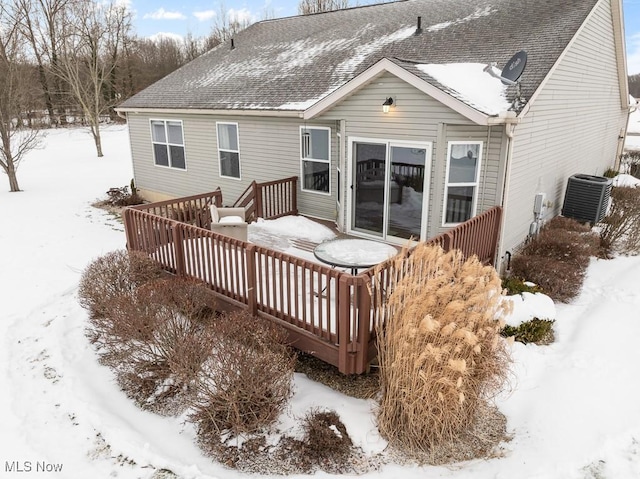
[{"x": 440, "y": 352}]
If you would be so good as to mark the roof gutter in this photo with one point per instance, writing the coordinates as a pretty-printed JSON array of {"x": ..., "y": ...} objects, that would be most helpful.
[
  {"x": 504, "y": 118},
  {"x": 204, "y": 111}
]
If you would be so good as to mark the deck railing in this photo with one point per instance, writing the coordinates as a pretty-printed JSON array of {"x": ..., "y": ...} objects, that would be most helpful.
[
  {"x": 271, "y": 199},
  {"x": 327, "y": 312},
  {"x": 193, "y": 210}
]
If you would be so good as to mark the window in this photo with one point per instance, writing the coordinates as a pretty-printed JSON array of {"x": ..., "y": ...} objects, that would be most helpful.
[
  {"x": 463, "y": 171},
  {"x": 315, "y": 147},
  {"x": 229, "y": 150},
  {"x": 168, "y": 143}
]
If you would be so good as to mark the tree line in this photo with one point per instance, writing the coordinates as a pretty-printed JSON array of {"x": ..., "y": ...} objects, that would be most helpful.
[
  {"x": 73, "y": 61},
  {"x": 634, "y": 85}
]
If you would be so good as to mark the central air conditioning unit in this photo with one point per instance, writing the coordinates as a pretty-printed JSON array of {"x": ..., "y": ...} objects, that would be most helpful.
[{"x": 587, "y": 198}]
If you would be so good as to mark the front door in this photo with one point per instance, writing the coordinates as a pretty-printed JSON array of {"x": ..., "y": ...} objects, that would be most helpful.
[{"x": 389, "y": 189}]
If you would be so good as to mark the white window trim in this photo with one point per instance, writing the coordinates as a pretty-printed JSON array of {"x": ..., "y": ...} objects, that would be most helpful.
[
  {"x": 338, "y": 172},
  {"x": 239, "y": 177},
  {"x": 328, "y": 161},
  {"x": 167, "y": 143},
  {"x": 475, "y": 184}
]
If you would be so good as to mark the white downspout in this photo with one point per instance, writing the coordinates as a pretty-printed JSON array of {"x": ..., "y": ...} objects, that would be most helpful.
[{"x": 509, "y": 130}]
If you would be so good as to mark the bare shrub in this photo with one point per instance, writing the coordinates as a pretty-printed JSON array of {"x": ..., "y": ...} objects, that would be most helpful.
[
  {"x": 563, "y": 245},
  {"x": 116, "y": 273},
  {"x": 325, "y": 446},
  {"x": 630, "y": 163},
  {"x": 440, "y": 352},
  {"x": 155, "y": 339},
  {"x": 326, "y": 441},
  {"x": 559, "y": 279},
  {"x": 621, "y": 227},
  {"x": 159, "y": 371},
  {"x": 192, "y": 298},
  {"x": 567, "y": 224},
  {"x": 123, "y": 197},
  {"x": 557, "y": 258},
  {"x": 246, "y": 380}
]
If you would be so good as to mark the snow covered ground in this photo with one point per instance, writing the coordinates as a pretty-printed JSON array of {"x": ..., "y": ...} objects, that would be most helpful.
[
  {"x": 632, "y": 142},
  {"x": 573, "y": 407}
]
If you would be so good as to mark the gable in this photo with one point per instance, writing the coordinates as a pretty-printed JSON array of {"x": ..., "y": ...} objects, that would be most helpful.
[
  {"x": 419, "y": 78},
  {"x": 290, "y": 64}
]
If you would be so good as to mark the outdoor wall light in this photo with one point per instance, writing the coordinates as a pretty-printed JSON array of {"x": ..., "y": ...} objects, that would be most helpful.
[{"x": 387, "y": 103}]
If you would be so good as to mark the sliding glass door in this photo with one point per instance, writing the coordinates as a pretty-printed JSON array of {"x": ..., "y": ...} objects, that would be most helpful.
[
  {"x": 369, "y": 170},
  {"x": 389, "y": 183}
]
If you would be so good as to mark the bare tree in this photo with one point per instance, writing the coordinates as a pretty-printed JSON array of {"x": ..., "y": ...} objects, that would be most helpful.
[
  {"x": 307, "y": 7},
  {"x": 634, "y": 85},
  {"x": 119, "y": 29},
  {"x": 90, "y": 35},
  {"x": 16, "y": 97},
  {"x": 40, "y": 22},
  {"x": 226, "y": 26}
]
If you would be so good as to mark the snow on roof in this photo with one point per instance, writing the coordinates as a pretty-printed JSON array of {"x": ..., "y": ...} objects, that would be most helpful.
[
  {"x": 483, "y": 12},
  {"x": 473, "y": 85},
  {"x": 362, "y": 52},
  {"x": 290, "y": 63},
  {"x": 346, "y": 68}
]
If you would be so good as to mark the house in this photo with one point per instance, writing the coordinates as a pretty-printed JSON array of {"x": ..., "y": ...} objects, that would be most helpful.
[{"x": 390, "y": 115}]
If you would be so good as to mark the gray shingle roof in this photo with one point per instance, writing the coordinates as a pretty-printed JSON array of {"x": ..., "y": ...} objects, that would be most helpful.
[{"x": 289, "y": 63}]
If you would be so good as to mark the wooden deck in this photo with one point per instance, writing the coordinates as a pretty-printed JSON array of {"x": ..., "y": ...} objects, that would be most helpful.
[{"x": 327, "y": 312}]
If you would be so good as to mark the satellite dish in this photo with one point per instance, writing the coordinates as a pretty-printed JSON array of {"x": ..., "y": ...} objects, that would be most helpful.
[{"x": 513, "y": 69}]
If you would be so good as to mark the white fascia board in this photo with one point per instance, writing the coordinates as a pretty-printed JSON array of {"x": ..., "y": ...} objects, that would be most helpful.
[
  {"x": 386, "y": 65},
  {"x": 621, "y": 53},
  {"x": 201, "y": 111}
]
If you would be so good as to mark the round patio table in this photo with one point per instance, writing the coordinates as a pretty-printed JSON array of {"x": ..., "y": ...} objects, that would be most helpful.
[{"x": 354, "y": 253}]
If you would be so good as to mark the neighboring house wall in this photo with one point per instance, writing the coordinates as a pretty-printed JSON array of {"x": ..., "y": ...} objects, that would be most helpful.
[
  {"x": 269, "y": 150},
  {"x": 572, "y": 126},
  {"x": 418, "y": 117}
]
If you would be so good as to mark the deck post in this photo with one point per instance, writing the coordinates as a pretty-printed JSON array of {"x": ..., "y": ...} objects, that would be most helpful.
[
  {"x": 257, "y": 200},
  {"x": 252, "y": 296},
  {"x": 447, "y": 244},
  {"x": 344, "y": 323},
  {"x": 128, "y": 228},
  {"x": 364, "y": 326},
  {"x": 178, "y": 247},
  {"x": 294, "y": 195}
]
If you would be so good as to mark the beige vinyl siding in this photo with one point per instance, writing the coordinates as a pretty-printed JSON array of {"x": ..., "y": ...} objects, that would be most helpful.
[
  {"x": 489, "y": 185},
  {"x": 572, "y": 126},
  {"x": 420, "y": 118},
  {"x": 269, "y": 150}
]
